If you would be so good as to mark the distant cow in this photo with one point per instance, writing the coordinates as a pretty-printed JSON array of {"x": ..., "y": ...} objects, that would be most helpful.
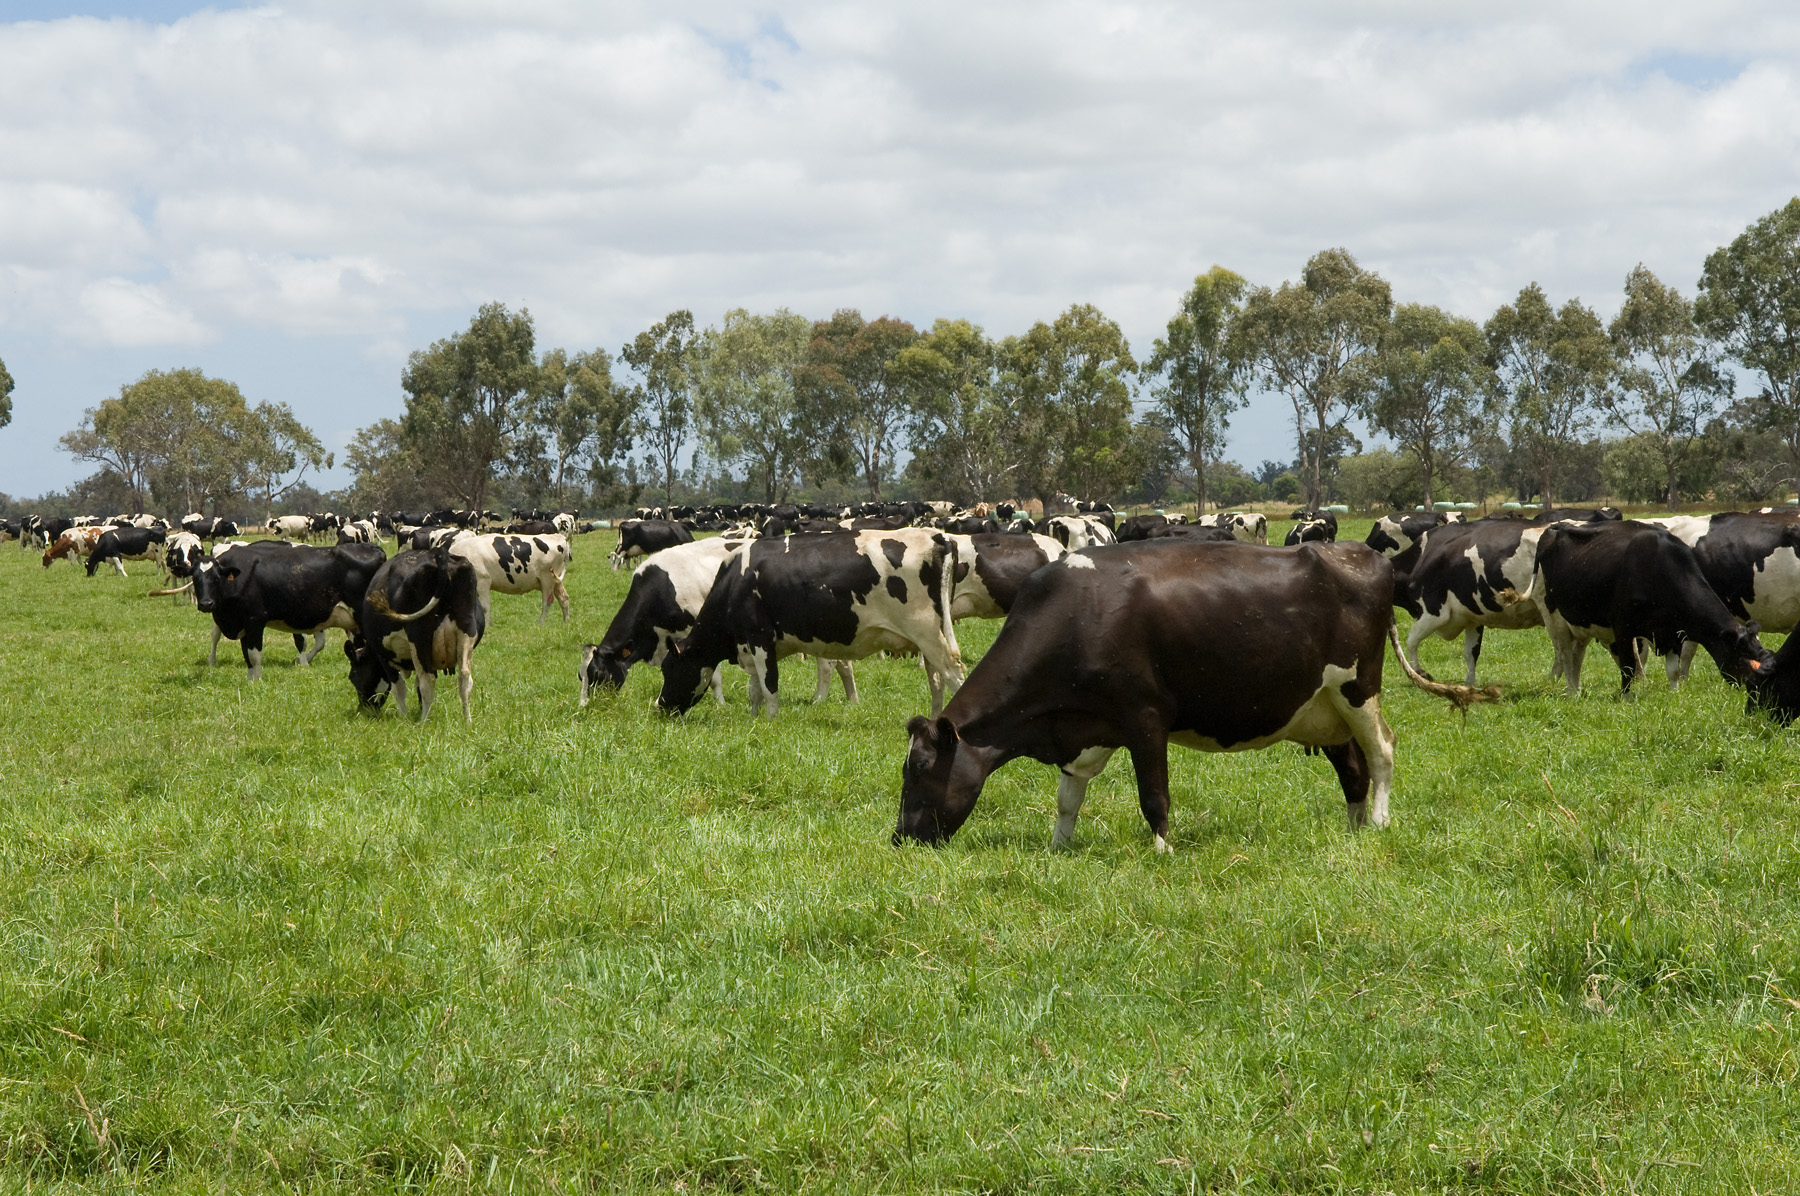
[
  {"x": 297, "y": 588},
  {"x": 182, "y": 555},
  {"x": 842, "y": 597},
  {"x": 293, "y": 527},
  {"x": 120, "y": 544},
  {"x": 1313, "y": 527},
  {"x": 359, "y": 531},
  {"x": 518, "y": 565},
  {"x": 645, "y": 537},
  {"x": 73, "y": 543},
  {"x": 1618, "y": 582},
  {"x": 421, "y": 614},
  {"x": 1196, "y": 532},
  {"x": 209, "y": 529},
  {"x": 991, "y": 568},
  {"x": 1251, "y": 528},
  {"x": 1143, "y": 645},
  {"x": 1075, "y": 532},
  {"x": 662, "y": 605}
]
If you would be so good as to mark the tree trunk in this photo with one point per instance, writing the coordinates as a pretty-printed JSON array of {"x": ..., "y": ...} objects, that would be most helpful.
[
  {"x": 1425, "y": 466},
  {"x": 1199, "y": 460}
]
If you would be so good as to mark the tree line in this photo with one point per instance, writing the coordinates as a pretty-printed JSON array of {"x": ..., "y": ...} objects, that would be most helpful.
[{"x": 1542, "y": 398}]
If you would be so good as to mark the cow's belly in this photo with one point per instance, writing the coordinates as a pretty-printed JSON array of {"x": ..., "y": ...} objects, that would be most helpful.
[
  {"x": 340, "y": 617},
  {"x": 1316, "y": 723},
  {"x": 868, "y": 641},
  {"x": 1775, "y": 601}
]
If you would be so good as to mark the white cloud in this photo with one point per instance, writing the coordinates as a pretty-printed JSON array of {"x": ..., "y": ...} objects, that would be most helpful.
[{"x": 351, "y": 171}]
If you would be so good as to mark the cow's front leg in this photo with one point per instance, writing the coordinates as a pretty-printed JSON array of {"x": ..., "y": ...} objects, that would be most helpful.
[
  {"x": 1353, "y": 776},
  {"x": 1624, "y": 650},
  {"x": 252, "y": 643},
  {"x": 212, "y": 657},
  {"x": 1071, "y": 790}
]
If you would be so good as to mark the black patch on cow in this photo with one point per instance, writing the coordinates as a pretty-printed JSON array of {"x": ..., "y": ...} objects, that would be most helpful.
[
  {"x": 896, "y": 585},
  {"x": 895, "y": 551}
]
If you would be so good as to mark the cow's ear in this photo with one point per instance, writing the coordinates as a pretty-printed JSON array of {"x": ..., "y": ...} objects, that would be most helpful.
[
  {"x": 1753, "y": 627},
  {"x": 917, "y": 725},
  {"x": 946, "y": 734}
]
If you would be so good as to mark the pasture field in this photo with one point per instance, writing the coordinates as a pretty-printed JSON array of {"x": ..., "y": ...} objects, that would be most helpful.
[{"x": 256, "y": 941}]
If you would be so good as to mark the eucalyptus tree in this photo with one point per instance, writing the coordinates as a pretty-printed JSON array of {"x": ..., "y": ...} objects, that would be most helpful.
[
  {"x": 746, "y": 374},
  {"x": 1199, "y": 370},
  {"x": 853, "y": 380},
  {"x": 6, "y": 389},
  {"x": 965, "y": 412},
  {"x": 1311, "y": 341},
  {"x": 1749, "y": 301},
  {"x": 468, "y": 398},
  {"x": 1425, "y": 386},
  {"x": 1670, "y": 383},
  {"x": 1552, "y": 370},
  {"x": 663, "y": 393},
  {"x": 1074, "y": 377},
  {"x": 583, "y": 426}
]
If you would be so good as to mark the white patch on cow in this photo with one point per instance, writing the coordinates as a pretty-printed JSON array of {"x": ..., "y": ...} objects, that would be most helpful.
[
  {"x": 1076, "y": 561},
  {"x": 1513, "y": 608},
  {"x": 1775, "y": 601},
  {"x": 1071, "y": 790},
  {"x": 253, "y": 658}
]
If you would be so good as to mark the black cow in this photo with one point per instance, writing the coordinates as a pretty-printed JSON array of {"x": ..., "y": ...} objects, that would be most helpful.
[
  {"x": 1617, "y": 582},
  {"x": 421, "y": 614},
  {"x": 533, "y": 527},
  {"x": 210, "y": 529},
  {"x": 1138, "y": 527},
  {"x": 646, "y": 537},
  {"x": 1312, "y": 527},
  {"x": 841, "y": 597},
  {"x": 1200, "y": 533},
  {"x": 434, "y": 535},
  {"x": 1220, "y": 647},
  {"x": 971, "y": 525},
  {"x": 1577, "y": 515},
  {"x": 121, "y": 544},
  {"x": 294, "y": 588},
  {"x": 44, "y": 532},
  {"x": 1751, "y": 561}
]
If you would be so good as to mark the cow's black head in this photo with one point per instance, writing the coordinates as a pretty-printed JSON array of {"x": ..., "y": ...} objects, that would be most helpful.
[
  {"x": 684, "y": 680},
  {"x": 1775, "y": 685},
  {"x": 939, "y": 784},
  {"x": 371, "y": 674},
  {"x": 603, "y": 667}
]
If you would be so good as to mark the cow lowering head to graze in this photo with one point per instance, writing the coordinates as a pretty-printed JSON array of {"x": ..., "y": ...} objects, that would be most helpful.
[
  {"x": 837, "y": 596},
  {"x": 518, "y": 565},
  {"x": 1313, "y": 527},
  {"x": 1396, "y": 534},
  {"x": 421, "y": 614},
  {"x": 295, "y": 588},
  {"x": 1751, "y": 561},
  {"x": 73, "y": 543},
  {"x": 358, "y": 531},
  {"x": 646, "y": 537},
  {"x": 1618, "y": 582},
  {"x": 120, "y": 544},
  {"x": 1136, "y": 646}
]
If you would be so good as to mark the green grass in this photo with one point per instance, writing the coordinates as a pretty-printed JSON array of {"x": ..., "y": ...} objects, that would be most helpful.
[{"x": 254, "y": 940}]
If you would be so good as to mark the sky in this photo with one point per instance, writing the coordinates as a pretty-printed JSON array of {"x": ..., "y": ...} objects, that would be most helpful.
[{"x": 295, "y": 196}]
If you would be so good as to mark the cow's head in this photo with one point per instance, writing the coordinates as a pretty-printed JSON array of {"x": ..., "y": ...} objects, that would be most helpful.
[
  {"x": 222, "y": 579},
  {"x": 1775, "y": 684},
  {"x": 1743, "y": 660},
  {"x": 372, "y": 675},
  {"x": 939, "y": 784},
  {"x": 685, "y": 680},
  {"x": 603, "y": 667}
]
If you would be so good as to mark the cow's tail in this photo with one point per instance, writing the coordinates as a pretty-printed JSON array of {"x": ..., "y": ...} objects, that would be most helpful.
[
  {"x": 1462, "y": 696},
  {"x": 947, "y": 595},
  {"x": 177, "y": 590},
  {"x": 379, "y": 601}
]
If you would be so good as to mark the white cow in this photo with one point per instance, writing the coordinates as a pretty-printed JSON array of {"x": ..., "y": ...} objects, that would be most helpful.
[
  {"x": 291, "y": 527},
  {"x": 1076, "y": 532},
  {"x": 517, "y": 565}
]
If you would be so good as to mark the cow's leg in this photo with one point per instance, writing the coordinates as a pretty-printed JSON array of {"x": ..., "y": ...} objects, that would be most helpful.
[
  {"x": 1573, "y": 655},
  {"x": 252, "y": 642},
  {"x": 318, "y": 646},
  {"x": 1422, "y": 627},
  {"x": 562, "y": 600},
  {"x": 1151, "y": 762},
  {"x": 940, "y": 670},
  {"x": 465, "y": 672},
  {"x": 1677, "y": 664},
  {"x": 118, "y": 562},
  {"x": 299, "y": 645},
  {"x": 846, "y": 672},
  {"x": 400, "y": 696},
  {"x": 1624, "y": 651},
  {"x": 718, "y": 685},
  {"x": 212, "y": 658},
  {"x": 427, "y": 683},
  {"x": 1471, "y": 652},
  {"x": 1365, "y": 765},
  {"x": 1071, "y": 790},
  {"x": 822, "y": 690}
]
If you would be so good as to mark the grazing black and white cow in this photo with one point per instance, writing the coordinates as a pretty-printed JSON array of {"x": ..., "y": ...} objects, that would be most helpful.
[
  {"x": 841, "y": 597},
  {"x": 1313, "y": 527},
  {"x": 990, "y": 569},
  {"x": 518, "y": 565},
  {"x": 359, "y": 531},
  {"x": 1251, "y": 528},
  {"x": 1075, "y": 532},
  {"x": 662, "y": 605},
  {"x": 295, "y": 588},
  {"x": 1618, "y": 582},
  {"x": 1399, "y": 534},
  {"x": 1137, "y": 646},
  {"x": 646, "y": 537},
  {"x": 43, "y": 532},
  {"x": 120, "y": 544},
  {"x": 325, "y": 523},
  {"x": 183, "y": 555},
  {"x": 421, "y": 614}
]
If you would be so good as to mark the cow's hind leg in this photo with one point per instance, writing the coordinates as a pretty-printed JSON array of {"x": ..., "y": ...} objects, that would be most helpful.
[
  {"x": 1365, "y": 765},
  {"x": 1151, "y": 763},
  {"x": 846, "y": 672},
  {"x": 1071, "y": 790},
  {"x": 318, "y": 646},
  {"x": 1471, "y": 652},
  {"x": 822, "y": 689},
  {"x": 465, "y": 672}
]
